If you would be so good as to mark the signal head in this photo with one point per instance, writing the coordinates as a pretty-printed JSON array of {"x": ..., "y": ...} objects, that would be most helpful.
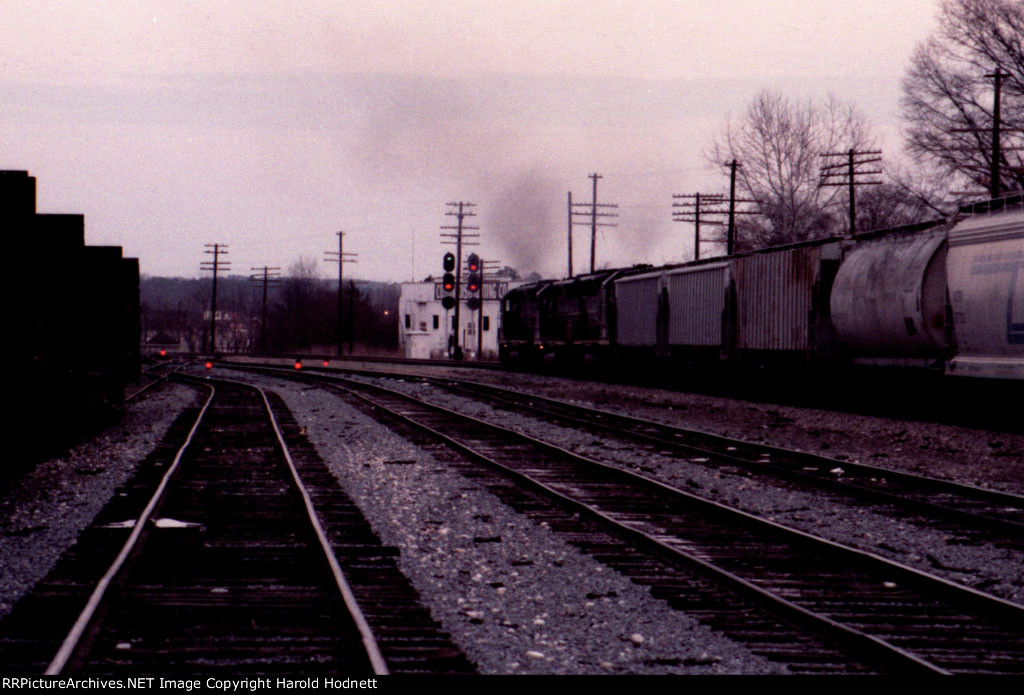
[
  {"x": 449, "y": 262},
  {"x": 448, "y": 282},
  {"x": 473, "y": 284},
  {"x": 473, "y": 262}
]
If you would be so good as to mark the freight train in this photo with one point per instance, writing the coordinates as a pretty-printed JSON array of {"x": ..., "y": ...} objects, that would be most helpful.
[
  {"x": 72, "y": 323},
  {"x": 945, "y": 296}
]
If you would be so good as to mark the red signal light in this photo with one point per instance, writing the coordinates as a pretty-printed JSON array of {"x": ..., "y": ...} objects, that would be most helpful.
[
  {"x": 473, "y": 262},
  {"x": 298, "y": 364},
  {"x": 326, "y": 362},
  {"x": 163, "y": 353},
  {"x": 209, "y": 365}
]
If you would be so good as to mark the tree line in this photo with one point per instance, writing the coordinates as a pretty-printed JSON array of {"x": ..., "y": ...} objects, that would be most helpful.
[
  {"x": 947, "y": 109},
  {"x": 301, "y": 313}
]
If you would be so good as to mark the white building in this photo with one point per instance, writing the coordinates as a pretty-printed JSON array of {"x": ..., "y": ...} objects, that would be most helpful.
[{"x": 425, "y": 326}]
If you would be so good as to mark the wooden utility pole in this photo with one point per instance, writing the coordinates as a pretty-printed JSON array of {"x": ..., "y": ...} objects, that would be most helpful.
[
  {"x": 996, "y": 161},
  {"x": 215, "y": 265},
  {"x": 997, "y": 154},
  {"x": 833, "y": 175},
  {"x": 271, "y": 276},
  {"x": 730, "y": 243},
  {"x": 341, "y": 257},
  {"x": 579, "y": 212},
  {"x": 460, "y": 210},
  {"x": 593, "y": 223},
  {"x": 703, "y": 204},
  {"x": 730, "y": 237},
  {"x": 570, "y": 234}
]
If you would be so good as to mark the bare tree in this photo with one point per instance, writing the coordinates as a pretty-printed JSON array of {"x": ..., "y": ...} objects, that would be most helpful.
[
  {"x": 779, "y": 143},
  {"x": 304, "y": 311},
  {"x": 948, "y": 93}
]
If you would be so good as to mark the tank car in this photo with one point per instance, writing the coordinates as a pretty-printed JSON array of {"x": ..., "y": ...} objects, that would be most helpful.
[{"x": 888, "y": 302}]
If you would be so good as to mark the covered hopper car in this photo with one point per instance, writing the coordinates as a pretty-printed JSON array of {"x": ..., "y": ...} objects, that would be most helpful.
[{"x": 945, "y": 295}]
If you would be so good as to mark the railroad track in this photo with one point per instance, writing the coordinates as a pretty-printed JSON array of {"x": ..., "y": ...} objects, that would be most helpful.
[
  {"x": 812, "y": 604},
  {"x": 972, "y": 513},
  {"x": 154, "y": 375},
  {"x": 247, "y": 559}
]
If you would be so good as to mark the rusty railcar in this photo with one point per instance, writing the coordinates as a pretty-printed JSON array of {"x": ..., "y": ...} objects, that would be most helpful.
[{"x": 889, "y": 298}]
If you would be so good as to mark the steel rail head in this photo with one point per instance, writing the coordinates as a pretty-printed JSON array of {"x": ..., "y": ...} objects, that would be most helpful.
[
  {"x": 373, "y": 652},
  {"x": 74, "y": 636}
]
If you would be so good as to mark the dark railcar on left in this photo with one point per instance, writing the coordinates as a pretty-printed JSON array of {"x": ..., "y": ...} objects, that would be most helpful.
[{"x": 72, "y": 338}]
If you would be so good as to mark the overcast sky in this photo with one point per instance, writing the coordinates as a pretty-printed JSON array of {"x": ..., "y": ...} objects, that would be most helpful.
[{"x": 270, "y": 125}]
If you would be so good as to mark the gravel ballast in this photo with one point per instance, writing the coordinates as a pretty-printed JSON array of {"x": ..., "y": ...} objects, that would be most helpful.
[
  {"x": 42, "y": 512},
  {"x": 996, "y": 570},
  {"x": 513, "y": 595}
]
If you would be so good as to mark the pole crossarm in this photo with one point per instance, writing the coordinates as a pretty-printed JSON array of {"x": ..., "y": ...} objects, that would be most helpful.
[
  {"x": 849, "y": 174},
  {"x": 214, "y": 266}
]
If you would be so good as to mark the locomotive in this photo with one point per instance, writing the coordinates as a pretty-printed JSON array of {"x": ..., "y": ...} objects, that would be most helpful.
[
  {"x": 72, "y": 323},
  {"x": 945, "y": 296}
]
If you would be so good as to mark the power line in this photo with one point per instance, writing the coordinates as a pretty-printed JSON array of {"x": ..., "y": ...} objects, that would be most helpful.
[
  {"x": 846, "y": 173},
  {"x": 215, "y": 265},
  {"x": 706, "y": 204},
  {"x": 271, "y": 278},
  {"x": 341, "y": 257},
  {"x": 578, "y": 212}
]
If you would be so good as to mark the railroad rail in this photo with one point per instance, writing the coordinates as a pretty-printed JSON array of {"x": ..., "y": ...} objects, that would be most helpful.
[
  {"x": 229, "y": 568},
  {"x": 973, "y": 512},
  {"x": 882, "y": 615}
]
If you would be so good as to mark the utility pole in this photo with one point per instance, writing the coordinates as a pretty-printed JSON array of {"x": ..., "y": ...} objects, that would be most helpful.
[
  {"x": 592, "y": 210},
  {"x": 706, "y": 204},
  {"x": 460, "y": 210},
  {"x": 730, "y": 238},
  {"x": 570, "y": 234},
  {"x": 833, "y": 175},
  {"x": 730, "y": 243},
  {"x": 341, "y": 257},
  {"x": 271, "y": 277},
  {"x": 215, "y": 265},
  {"x": 997, "y": 155},
  {"x": 351, "y": 314},
  {"x": 996, "y": 161}
]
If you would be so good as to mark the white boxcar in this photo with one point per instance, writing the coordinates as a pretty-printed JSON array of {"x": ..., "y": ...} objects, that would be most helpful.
[{"x": 985, "y": 272}]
